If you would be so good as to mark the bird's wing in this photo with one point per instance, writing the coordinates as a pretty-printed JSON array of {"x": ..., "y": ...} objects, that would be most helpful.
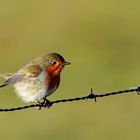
[
  {"x": 25, "y": 73},
  {"x": 32, "y": 70}
]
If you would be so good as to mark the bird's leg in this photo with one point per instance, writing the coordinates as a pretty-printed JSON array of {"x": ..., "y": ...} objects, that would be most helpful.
[
  {"x": 39, "y": 105},
  {"x": 46, "y": 103}
]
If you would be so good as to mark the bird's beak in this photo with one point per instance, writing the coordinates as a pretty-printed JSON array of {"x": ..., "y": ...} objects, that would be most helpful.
[{"x": 66, "y": 63}]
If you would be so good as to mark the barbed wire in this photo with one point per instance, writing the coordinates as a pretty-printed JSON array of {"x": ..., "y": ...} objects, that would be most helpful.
[{"x": 48, "y": 103}]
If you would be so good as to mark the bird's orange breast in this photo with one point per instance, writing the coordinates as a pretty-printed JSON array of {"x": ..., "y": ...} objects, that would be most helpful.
[
  {"x": 53, "y": 75},
  {"x": 52, "y": 81}
]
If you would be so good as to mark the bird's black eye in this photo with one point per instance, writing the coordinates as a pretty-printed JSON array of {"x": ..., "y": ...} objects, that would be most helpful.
[{"x": 54, "y": 62}]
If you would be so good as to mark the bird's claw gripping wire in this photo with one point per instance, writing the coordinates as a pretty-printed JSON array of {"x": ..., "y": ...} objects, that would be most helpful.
[
  {"x": 91, "y": 96},
  {"x": 45, "y": 104}
]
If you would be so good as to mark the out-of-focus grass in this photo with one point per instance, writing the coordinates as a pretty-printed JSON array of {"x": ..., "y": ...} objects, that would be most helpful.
[{"x": 101, "y": 39}]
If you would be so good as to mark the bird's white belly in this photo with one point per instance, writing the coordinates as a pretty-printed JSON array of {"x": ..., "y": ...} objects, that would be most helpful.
[{"x": 33, "y": 89}]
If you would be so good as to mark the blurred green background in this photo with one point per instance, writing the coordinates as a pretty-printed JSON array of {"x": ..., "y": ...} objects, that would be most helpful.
[{"x": 102, "y": 41}]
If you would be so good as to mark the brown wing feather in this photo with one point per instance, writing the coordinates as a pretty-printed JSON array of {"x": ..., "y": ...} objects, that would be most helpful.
[{"x": 33, "y": 70}]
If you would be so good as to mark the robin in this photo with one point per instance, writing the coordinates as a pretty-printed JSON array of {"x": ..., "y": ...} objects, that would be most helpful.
[{"x": 38, "y": 79}]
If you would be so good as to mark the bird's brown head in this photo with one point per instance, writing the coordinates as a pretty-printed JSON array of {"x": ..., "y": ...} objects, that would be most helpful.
[{"x": 54, "y": 63}]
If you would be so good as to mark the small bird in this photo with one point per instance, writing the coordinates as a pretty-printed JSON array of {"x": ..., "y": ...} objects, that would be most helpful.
[{"x": 38, "y": 79}]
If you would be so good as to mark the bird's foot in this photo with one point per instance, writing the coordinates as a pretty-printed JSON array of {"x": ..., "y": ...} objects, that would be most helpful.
[{"x": 45, "y": 104}]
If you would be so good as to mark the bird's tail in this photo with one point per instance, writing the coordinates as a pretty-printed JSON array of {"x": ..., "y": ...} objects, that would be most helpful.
[
  {"x": 10, "y": 78},
  {"x": 6, "y": 75}
]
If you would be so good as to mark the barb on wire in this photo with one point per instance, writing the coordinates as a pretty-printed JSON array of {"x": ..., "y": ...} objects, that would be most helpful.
[{"x": 90, "y": 96}]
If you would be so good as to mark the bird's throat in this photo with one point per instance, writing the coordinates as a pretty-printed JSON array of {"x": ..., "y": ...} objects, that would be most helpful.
[{"x": 54, "y": 71}]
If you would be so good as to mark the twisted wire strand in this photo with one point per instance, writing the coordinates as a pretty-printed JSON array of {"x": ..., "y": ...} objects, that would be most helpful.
[{"x": 90, "y": 96}]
